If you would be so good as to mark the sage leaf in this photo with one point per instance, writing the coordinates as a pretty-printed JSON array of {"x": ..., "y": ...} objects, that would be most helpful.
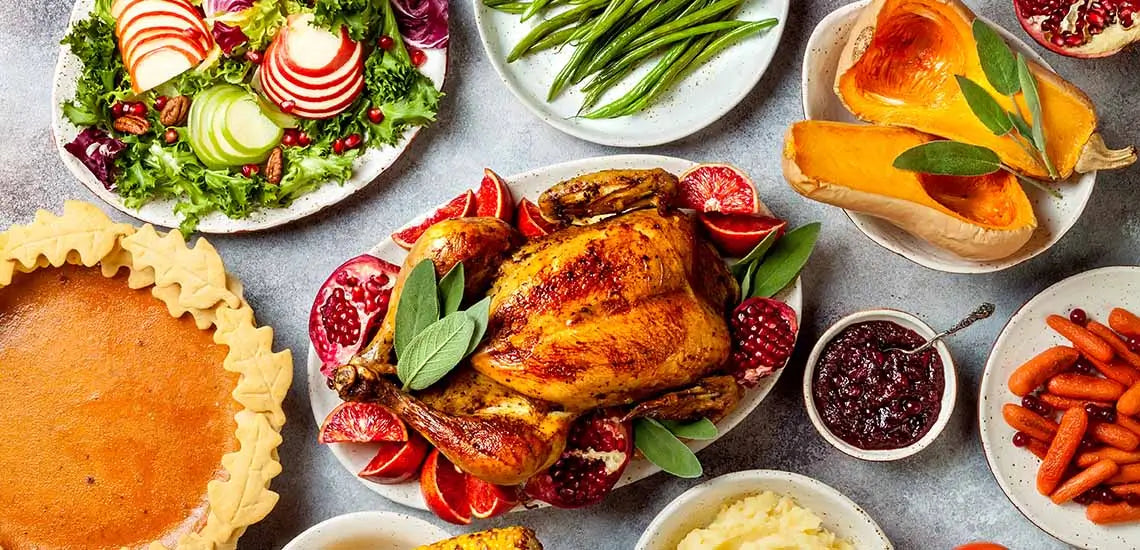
[
  {"x": 996, "y": 58},
  {"x": 746, "y": 279},
  {"x": 435, "y": 351},
  {"x": 784, "y": 261},
  {"x": 418, "y": 306},
  {"x": 479, "y": 312},
  {"x": 949, "y": 158},
  {"x": 451, "y": 290},
  {"x": 757, "y": 253},
  {"x": 1022, "y": 126},
  {"x": 1033, "y": 101},
  {"x": 698, "y": 429},
  {"x": 985, "y": 107},
  {"x": 664, "y": 450}
]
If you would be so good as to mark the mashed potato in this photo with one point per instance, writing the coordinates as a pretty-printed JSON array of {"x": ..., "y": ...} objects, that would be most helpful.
[{"x": 766, "y": 521}]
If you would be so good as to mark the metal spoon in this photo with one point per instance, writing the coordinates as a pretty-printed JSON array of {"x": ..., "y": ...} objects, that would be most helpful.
[{"x": 983, "y": 311}]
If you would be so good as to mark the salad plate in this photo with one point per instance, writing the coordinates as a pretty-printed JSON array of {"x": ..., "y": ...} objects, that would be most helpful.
[
  {"x": 685, "y": 110},
  {"x": 315, "y": 196},
  {"x": 1024, "y": 336},
  {"x": 354, "y": 457},
  {"x": 1054, "y": 216}
]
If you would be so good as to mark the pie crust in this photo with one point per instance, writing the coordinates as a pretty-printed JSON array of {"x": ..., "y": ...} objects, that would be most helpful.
[{"x": 187, "y": 280}]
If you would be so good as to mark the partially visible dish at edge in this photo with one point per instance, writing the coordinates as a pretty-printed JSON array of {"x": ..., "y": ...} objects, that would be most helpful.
[{"x": 241, "y": 105}]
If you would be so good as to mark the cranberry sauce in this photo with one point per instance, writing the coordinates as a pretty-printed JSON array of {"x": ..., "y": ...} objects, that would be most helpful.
[{"x": 875, "y": 400}]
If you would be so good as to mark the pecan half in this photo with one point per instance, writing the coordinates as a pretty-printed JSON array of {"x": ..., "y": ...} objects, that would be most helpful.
[
  {"x": 175, "y": 111},
  {"x": 274, "y": 168},
  {"x": 131, "y": 124}
]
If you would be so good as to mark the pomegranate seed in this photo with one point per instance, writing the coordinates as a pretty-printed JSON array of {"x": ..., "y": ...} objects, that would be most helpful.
[
  {"x": 376, "y": 115},
  {"x": 289, "y": 139},
  {"x": 338, "y": 146},
  {"x": 160, "y": 102},
  {"x": 418, "y": 57},
  {"x": 1020, "y": 439},
  {"x": 117, "y": 110},
  {"x": 1133, "y": 344},
  {"x": 138, "y": 109},
  {"x": 253, "y": 57},
  {"x": 1078, "y": 316},
  {"x": 386, "y": 42},
  {"x": 303, "y": 139},
  {"x": 287, "y": 106},
  {"x": 250, "y": 170},
  {"x": 171, "y": 136},
  {"x": 352, "y": 141}
]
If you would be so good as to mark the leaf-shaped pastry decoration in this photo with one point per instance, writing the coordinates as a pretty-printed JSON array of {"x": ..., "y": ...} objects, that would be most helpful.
[
  {"x": 243, "y": 498},
  {"x": 197, "y": 271},
  {"x": 83, "y": 234},
  {"x": 266, "y": 375}
]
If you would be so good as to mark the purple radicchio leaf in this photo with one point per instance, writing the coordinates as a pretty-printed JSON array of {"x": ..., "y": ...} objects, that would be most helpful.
[
  {"x": 97, "y": 151},
  {"x": 422, "y": 22},
  {"x": 228, "y": 37},
  {"x": 213, "y": 7}
]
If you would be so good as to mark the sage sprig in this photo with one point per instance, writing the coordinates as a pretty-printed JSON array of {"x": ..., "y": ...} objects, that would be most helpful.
[
  {"x": 774, "y": 262},
  {"x": 664, "y": 449}
]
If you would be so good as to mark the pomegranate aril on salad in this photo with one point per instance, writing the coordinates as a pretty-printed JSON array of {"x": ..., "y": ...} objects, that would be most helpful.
[{"x": 349, "y": 307}]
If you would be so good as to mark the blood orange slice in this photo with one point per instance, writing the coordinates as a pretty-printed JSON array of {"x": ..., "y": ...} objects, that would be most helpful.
[
  {"x": 444, "y": 487},
  {"x": 396, "y": 461},
  {"x": 459, "y": 207},
  {"x": 735, "y": 235},
  {"x": 719, "y": 188},
  {"x": 489, "y": 500},
  {"x": 362, "y": 423},
  {"x": 493, "y": 199},
  {"x": 531, "y": 223}
]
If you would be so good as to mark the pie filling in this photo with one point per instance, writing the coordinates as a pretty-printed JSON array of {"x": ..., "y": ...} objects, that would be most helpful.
[{"x": 115, "y": 414}]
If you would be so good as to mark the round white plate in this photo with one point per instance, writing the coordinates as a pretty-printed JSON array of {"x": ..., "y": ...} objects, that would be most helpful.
[
  {"x": 1026, "y": 335},
  {"x": 371, "y": 530},
  {"x": 354, "y": 457},
  {"x": 697, "y": 507},
  {"x": 1054, "y": 216},
  {"x": 699, "y": 100},
  {"x": 366, "y": 168}
]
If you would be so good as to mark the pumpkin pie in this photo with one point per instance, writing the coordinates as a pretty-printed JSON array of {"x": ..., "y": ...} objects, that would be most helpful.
[{"x": 142, "y": 405}]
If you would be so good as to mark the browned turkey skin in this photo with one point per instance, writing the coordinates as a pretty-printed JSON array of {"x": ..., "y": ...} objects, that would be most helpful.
[{"x": 618, "y": 311}]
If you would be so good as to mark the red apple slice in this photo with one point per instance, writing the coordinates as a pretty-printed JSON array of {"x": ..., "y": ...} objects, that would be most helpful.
[
  {"x": 396, "y": 462},
  {"x": 353, "y": 422},
  {"x": 292, "y": 104},
  {"x": 142, "y": 11},
  {"x": 531, "y": 223},
  {"x": 353, "y": 65},
  {"x": 459, "y": 207},
  {"x": 489, "y": 500},
  {"x": 330, "y": 91},
  {"x": 118, "y": 6},
  {"x": 158, "y": 66},
  {"x": 445, "y": 489},
  {"x": 145, "y": 40},
  {"x": 493, "y": 199},
  {"x": 311, "y": 50},
  {"x": 173, "y": 40},
  {"x": 737, "y": 234}
]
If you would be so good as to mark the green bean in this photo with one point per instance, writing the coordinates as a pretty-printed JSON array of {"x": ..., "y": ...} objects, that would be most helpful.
[
  {"x": 731, "y": 37},
  {"x": 651, "y": 18},
  {"x": 553, "y": 40},
  {"x": 514, "y": 8},
  {"x": 550, "y": 25},
  {"x": 535, "y": 7},
  {"x": 652, "y": 47},
  {"x": 614, "y": 13},
  {"x": 646, "y": 83},
  {"x": 577, "y": 60},
  {"x": 670, "y": 77},
  {"x": 610, "y": 75},
  {"x": 703, "y": 14},
  {"x": 599, "y": 86}
]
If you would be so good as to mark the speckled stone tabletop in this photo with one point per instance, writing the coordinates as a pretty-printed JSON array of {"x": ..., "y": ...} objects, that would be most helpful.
[{"x": 942, "y": 497}]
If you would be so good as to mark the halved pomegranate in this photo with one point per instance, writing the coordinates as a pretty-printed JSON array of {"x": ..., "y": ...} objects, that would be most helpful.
[
  {"x": 737, "y": 234},
  {"x": 459, "y": 207},
  {"x": 348, "y": 308},
  {"x": 719, "y": 188},
  {"x": 396, "y": 461},
  {"x": 531, "y": 223},
  {"x": 493, "y": 199},
  {"x": 763, "y": 337},
  {"x": 444, "y": 487},
  {"x": 489, "y": 500},
  {"x": 597, "y": 452},
  {"x": 1081, "y": 28},
  {"x": 362, "y": 423}
]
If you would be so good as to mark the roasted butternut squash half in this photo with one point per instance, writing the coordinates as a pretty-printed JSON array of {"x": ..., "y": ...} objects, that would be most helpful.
[
  {"x": 899, "y": 69},
  {"x": 850, "y": 166}
]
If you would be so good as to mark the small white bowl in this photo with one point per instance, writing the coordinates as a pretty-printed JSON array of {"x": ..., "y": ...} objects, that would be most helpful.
[
  {"x": 697, "y": 507},
  {"x": 371, "y": 530},
  {"x": 949, "y": 393}
]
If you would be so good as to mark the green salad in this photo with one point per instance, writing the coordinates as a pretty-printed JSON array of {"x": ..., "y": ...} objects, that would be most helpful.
[{"x": 248, "y": 104}]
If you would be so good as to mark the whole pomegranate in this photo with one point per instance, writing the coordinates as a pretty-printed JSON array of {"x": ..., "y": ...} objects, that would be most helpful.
[
  {"x": 1081, "y": 28},
  {"x": 349, "y": 307},
  {"x": 597, "y": 452},
  {"x": 763, "y": 337}
]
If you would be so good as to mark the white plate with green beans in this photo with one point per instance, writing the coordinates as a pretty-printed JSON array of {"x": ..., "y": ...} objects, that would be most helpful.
[
  {"x": 630, "y": 73},
  {"x": 354, "y": 457}
]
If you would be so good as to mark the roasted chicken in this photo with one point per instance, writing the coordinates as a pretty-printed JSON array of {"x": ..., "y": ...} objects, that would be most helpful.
[{"x": 611, "y": 311}]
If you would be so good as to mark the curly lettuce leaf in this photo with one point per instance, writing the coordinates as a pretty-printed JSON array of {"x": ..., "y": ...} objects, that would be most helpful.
[
  {"x": 362, "y": 18},
  {"x": 103, "y": 79},
  {"x": 260, "y": 22}
]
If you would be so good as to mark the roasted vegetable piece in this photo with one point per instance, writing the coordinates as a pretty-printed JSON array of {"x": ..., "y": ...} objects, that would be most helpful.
[{"x": 507, "y": 538}]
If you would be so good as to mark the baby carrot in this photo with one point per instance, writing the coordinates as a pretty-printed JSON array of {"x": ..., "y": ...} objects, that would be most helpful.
[
  {"x": 1089, "y": 343},
  {"x": 1115, "y": 342},
  {"x": 1080, "y": 386},
  {"x": 1091, "y": 477},
  {"x": 1041, "y": 368},
  {"x": 1066, "y": 403},
  {"x": 1123, "y": 321},
  {"x": 1103, "y": 514},
  {"x": 1062, "y": 450},
  {"x": 1127, "y": 489},
  {"x": 1115, "y": 370},
  {"x": 1025, "y": 420},
  {"x": 1086, "y": 459},
  {"x": 1039, "y": 448},
  {"x": 1129, "y": 402},
  {"x": 1115, "y": 435},
  {"x": 1128, "y": 423},
  {"x": 1129, "y": 473}
]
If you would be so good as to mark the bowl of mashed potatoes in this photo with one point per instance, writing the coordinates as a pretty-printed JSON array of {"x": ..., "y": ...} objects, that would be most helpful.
[{"x": 763, "y": 510}]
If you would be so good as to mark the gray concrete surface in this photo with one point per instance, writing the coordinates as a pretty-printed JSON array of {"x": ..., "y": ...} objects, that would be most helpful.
[{"x": 942, "y": 497}]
